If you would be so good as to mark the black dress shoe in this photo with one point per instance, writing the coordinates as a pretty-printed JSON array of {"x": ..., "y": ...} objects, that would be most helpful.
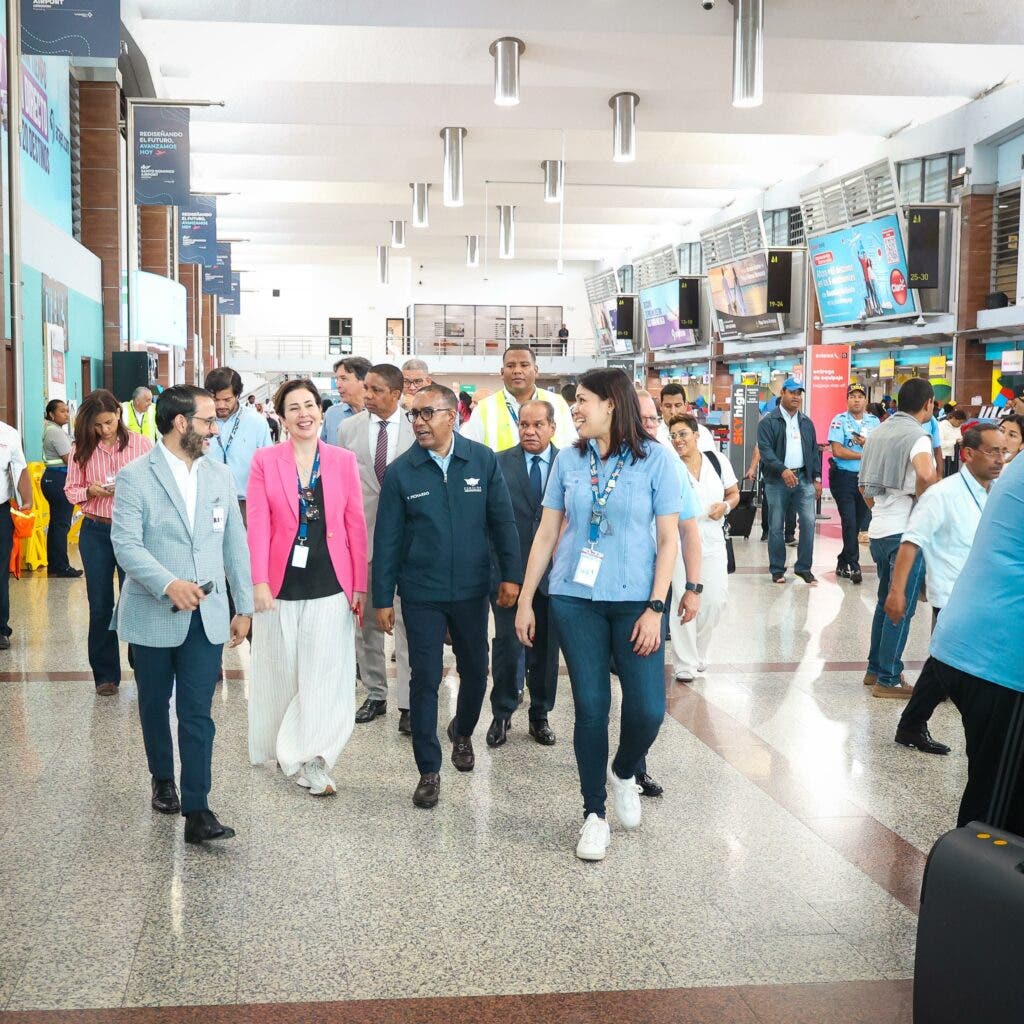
[
  {"x": 5, "y": 642},
  {"x": 541, "y": 732},
  {"x": 498, "y": 732},
  {"x": 842, "y": 572},
  {"x": 371, "y": 709},
  {"x": 165, "y": 797},
  {"x": 70, "y": 573},
  {"x": 404, "y": 724},
  {"x": 428, "y": 790},
  {"x": 462, "y": 750},
  {"x": 648, "y": 787},
  {"x": 856, "y": 576},
  {"x": 921, "y": 739},
  {"x": 202, "y": 826}
]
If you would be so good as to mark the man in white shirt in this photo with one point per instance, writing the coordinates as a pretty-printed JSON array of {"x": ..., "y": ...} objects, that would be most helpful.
[
  {"x": 890, "y": 513},
  {"x": 16, "y": 489},
  {"x": 377, "y": 436},
  {"x": 942, "y": 528},
  {"x": 673, "y": 403}
]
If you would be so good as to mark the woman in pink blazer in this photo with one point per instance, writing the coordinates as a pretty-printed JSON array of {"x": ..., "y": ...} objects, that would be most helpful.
[{"x": 307, "y": 539}]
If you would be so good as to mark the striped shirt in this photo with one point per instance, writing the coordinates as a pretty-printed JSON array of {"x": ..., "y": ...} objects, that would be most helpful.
[{"x": 101, "y": 467}]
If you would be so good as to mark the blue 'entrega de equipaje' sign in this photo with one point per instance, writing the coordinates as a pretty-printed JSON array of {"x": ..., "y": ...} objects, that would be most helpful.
[{"x": 71, "y": 28}]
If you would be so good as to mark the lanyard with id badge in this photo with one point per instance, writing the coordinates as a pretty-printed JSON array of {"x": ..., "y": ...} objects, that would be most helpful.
[
  {"x": 590, "y": 558},
  {"x": 308, "y": 513}
]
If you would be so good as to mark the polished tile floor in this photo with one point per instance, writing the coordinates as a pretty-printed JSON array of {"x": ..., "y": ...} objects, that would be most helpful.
[{"x": 778, "y": 873}]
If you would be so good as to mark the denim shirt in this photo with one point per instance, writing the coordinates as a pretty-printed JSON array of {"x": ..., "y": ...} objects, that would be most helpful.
[{"x": 645, "y": 489}]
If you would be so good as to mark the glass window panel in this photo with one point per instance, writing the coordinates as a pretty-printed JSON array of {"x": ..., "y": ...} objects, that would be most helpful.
[
  {"x": 909, "y": 175},
  {"x": 936, "y": 179}
]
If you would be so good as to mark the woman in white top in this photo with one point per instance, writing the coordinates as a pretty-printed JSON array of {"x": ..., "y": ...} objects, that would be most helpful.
[{"x": 718, "y": 494}]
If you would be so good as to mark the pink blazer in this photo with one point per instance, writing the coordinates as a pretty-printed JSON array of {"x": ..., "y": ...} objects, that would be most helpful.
[{"x": 272, "y": 511}]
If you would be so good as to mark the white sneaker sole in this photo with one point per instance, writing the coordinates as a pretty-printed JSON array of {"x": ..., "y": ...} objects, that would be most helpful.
[
  {"x": 302, "y": 781},
  {"x": 591, "y": 855},
  {"x": 684, "y": 677}
]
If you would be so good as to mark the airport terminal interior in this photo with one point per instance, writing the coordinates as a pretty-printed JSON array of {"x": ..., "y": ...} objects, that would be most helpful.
[{"x": 473, "y": 224}]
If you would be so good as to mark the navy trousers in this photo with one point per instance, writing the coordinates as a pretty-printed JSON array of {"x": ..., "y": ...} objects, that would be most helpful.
[
  {"x": 61, "y": 511},
  {"x": 426, "y": 623},
  {"x": 541, "y": 662},
  {"x": 6, "y": 545},
  {"x": 190, "y": 671},
  {"x": 100, "y": 566}
]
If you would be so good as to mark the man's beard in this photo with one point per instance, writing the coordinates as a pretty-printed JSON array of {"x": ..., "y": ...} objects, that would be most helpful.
[{"x": 193, "y": 444}]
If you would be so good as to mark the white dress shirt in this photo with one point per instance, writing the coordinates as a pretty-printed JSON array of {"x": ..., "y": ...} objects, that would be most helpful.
[
  {"x": 12, "y": 462},
  {"x": 794, "y": 444},
  {"x": 373, "y": 430},
  {"x": 942, "y": 525},
  {"x": 186, "y": 477}
]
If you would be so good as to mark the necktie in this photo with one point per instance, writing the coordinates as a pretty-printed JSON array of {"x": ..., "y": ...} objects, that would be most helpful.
[
  {"x": 380, "y": 458},
  {"x": 535, "y": 485}
]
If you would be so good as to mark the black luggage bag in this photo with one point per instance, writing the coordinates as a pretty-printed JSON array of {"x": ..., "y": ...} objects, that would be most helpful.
[
  {"x": 741, "y": 518},
  {"x": 969, "y": 964}
]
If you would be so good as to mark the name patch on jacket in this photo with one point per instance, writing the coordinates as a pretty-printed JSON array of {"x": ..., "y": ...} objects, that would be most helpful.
[
  {"x": 422, "y": 494},
  {"x": 472, "y": 485}
]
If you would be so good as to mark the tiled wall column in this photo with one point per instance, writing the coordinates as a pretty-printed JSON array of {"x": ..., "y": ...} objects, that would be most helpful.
[
  {"x": 972, "y": 371},
  {"x": 209, "y": 330},
  {"x": 155, "y": 223},
  {"x": 100, "y": 106},
  {"x": 190, "y": 276}
]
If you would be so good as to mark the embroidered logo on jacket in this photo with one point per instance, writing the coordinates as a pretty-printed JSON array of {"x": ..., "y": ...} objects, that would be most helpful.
[{"x": 472, "y": 485}]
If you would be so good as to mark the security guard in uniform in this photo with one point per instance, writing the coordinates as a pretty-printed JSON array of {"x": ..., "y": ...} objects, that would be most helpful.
[
  {"x": 443, "y": 506},
  {"x": 847, "y": 434}
]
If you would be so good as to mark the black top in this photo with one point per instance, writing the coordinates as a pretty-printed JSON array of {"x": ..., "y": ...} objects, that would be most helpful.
[{"x": 318, "y": 579}]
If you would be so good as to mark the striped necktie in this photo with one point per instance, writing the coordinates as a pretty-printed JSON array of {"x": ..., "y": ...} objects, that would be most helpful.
[{"x": 380, "y": 458}]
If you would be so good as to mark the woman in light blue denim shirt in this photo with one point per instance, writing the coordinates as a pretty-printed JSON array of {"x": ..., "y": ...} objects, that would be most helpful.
[{"x": 608, "y": 585}]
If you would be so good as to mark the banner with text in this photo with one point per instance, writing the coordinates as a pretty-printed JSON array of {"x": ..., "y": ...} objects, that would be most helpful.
[
  {"x": 217, "y": 279},
  {"x": 85, "y": 28},
  {"x": 197, "y": 231},
  {"x": 161, "y": 156},
  {"x": 231, "y": 304},
  {"x": 827, "y": 377}
]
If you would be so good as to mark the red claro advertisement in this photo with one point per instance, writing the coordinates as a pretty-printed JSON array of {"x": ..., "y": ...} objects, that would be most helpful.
[{"x": 898, "y": 286}]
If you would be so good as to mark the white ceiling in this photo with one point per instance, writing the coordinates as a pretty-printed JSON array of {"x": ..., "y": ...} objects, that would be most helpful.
[{"x": 334, "y": 106}]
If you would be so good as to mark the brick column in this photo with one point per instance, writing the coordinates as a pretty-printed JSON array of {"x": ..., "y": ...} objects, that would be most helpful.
[
  {"x": 972, "y": 372},
  {"x": 190, "y": 277},
  {"x": 155, "y": 224},
  {"x": 100, "y": 111}
]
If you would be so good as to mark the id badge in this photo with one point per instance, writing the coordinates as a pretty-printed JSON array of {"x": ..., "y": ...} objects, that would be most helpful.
[
  {"x": 300, "y": 556},
  {"x": 588, "y": 567},
  {"x": 218, "y": 519}
]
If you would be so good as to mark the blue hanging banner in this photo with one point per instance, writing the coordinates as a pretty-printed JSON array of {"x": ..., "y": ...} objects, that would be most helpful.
[
  {"x": 82, "y": 28},
  {"x": 217, "y": 279},
  {"x": 231, "y": 304},
  {"x": 197, "y": 231},
  {"x": 161, "y": 156}
]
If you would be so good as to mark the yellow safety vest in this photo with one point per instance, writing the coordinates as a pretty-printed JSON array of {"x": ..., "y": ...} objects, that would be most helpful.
[{"x": 147, "y": 428}]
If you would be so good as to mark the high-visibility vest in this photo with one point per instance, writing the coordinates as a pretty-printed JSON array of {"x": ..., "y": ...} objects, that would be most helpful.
[
  {"x": 501, "y": 430},
  {"x": 147, "y": 428}
]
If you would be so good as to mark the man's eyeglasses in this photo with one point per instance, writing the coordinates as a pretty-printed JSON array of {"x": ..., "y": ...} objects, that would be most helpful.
[
  {"x": 993, "y": 453},
  {"x": 650, "y": 420},
  {"x": 426, "y": 414},
  {"x": 417, "y": 383},
  {"x": 208, "y": 420}
]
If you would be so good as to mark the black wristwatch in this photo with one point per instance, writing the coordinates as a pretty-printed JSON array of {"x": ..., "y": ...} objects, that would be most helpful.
[
  {"x": 695, "y": 588},
  {"x": 657, "y": 606}
]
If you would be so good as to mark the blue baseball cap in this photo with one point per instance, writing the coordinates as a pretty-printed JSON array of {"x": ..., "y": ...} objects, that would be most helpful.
[{"x": 792, "y": 384}]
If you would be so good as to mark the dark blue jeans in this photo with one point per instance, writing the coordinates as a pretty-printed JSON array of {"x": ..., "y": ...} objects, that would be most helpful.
[
  {"x": 885, "y": 659},
  {"x": 591, "y": 633},
  {"x": 853, "y": 514},
  {"x": 52, "y": 486},
  {"x": 426, "y": 623},
  {"x": 541, "y": 662},
  {"x": 6, "y": 545},
  {"x": 191, "y": 672},
  {"x": 100, "y": 565},
  {"x": 780, "y": 499}
]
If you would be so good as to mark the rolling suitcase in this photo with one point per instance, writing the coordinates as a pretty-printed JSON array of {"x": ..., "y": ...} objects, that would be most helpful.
[
  {"x": 741, "y": 518},
  {"x": 969, "y": 960}
]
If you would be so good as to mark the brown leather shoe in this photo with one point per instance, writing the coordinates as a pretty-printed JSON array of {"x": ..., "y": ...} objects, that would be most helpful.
[
  {"x": 462, "y": 750},
  {"x": 106, "y": 689},
  {"x": 870, "y": 679},
  {"x": 902, "y": 692},
  {"x": 428, "y": 790}
]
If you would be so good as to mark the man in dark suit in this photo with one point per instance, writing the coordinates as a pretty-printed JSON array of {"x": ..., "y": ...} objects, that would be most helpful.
[{"x": 526, "y": 468}]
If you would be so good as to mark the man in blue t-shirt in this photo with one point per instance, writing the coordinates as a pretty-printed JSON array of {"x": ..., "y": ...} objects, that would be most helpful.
[{"x": 977, "y": 649}]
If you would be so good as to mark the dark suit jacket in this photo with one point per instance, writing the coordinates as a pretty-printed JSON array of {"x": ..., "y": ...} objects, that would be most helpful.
[{"x": 527, "y": 511}]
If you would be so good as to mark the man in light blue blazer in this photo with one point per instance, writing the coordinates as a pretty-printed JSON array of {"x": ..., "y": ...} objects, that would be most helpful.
[{"x": 177, "y": 533}]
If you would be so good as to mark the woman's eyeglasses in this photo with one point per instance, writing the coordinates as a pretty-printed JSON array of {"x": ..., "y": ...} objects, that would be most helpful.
[{"x": 681, "y": 435}]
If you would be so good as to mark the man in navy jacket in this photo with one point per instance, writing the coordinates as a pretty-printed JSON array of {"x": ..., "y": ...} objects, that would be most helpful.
[
  {"x": 444, "y": 506},
  {"x": 791, "y": 464}
]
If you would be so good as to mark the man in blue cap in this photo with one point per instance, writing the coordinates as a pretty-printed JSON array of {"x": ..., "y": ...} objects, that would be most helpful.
[{"x": 791, "y": 464}]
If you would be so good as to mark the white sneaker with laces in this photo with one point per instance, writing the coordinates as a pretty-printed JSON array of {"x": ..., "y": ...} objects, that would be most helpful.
[
  {"x": 684, "y": 675},
  {"x": 625, "y": 795},
  {"x": 594, "y": 836},
  {"x": 301, "y": 780},
  {"x": 320, "y": 783}
]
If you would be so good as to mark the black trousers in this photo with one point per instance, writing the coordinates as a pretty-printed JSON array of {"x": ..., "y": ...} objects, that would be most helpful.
[
  {"x": 426, "y": 623},
  {"x": 6, "y": 546},
  {"x": 853, "y": 514},
  {"x": 61, "y": 510},
  {"x": 985, "y": 709},
  {"x": 541, "y": 661}
]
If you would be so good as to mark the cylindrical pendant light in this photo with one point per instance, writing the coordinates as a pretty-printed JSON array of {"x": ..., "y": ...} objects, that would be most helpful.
[
  {"x": 554, "y": 180},
  {"x": 748, "y": 53},
  {"x": 624, "y": 106},
  {"x": 506, "y": 53},
  {"x": 472, "y": 250},
  {"x": 398, "y": 234},
  {"x": 382, "y": 263},
  {"x": 452, "y": 169},
  {"x": 506, "y": 232},
  {"x": 420, "y": 204}
]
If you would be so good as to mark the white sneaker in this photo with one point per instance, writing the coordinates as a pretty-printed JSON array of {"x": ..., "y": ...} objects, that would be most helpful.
[
  {"x": 702, "y": 668},
  {"x": 684, "y": 675},
  {"x": 594, "y": 838},
  {"x": 626, "y": 800},
  {"x": 301, "y": 780},
  {"x": 320, "y": 783}
]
